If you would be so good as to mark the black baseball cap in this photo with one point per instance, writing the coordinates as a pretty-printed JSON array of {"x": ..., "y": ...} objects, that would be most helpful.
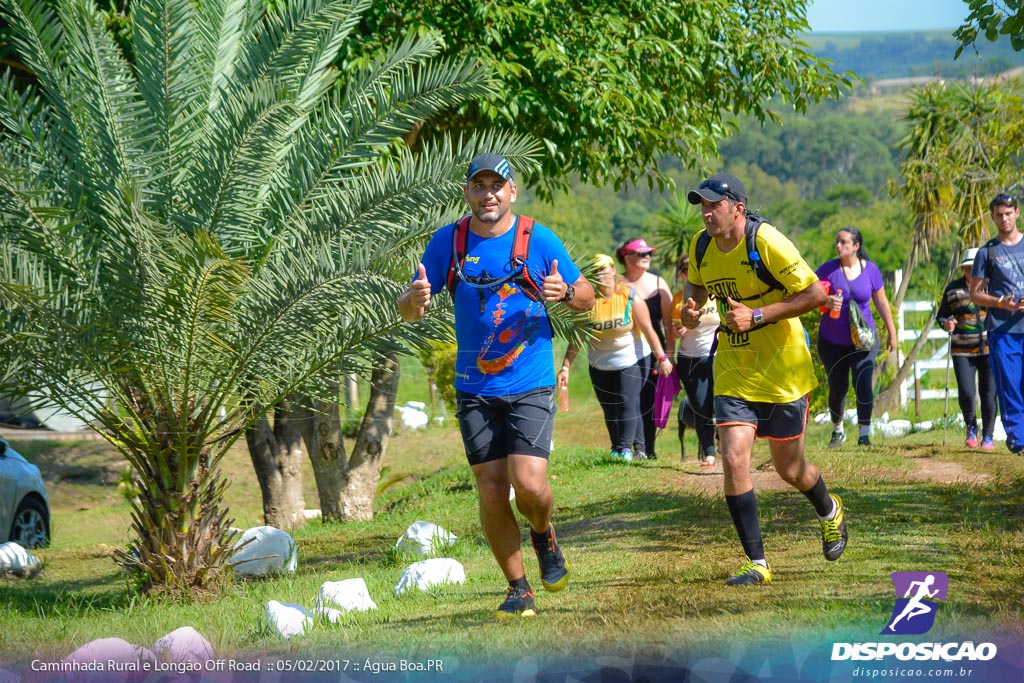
[
  {"x": 718, "y": 187},
  {"x": 489, "y": 162}
]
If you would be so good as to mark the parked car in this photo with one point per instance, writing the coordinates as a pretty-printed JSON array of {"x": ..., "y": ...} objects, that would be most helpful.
[{"x": 24, "y": 505}]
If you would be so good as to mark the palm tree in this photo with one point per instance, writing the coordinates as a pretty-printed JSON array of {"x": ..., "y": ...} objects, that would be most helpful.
[
  {"x": 197, "y": 234},
  {"x": 959, "y": 153}
]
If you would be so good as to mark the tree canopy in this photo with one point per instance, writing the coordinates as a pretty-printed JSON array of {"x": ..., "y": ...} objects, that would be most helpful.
[
  {"x": 611, "y": 87},
  {"x": 992, "y": 19}
]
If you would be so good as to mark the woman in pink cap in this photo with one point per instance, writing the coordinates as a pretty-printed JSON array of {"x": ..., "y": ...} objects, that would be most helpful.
[{"x": 635, "y": 255}]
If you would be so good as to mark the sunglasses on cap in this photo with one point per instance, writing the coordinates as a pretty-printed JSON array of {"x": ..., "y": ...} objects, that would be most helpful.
[
  {"x": 719, "y": 187},
  {"x": 1007, "y": 199},
  {"x": 641, "y": 254}
]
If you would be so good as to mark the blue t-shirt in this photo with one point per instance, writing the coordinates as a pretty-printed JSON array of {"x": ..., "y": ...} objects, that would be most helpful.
[
  {"x": 859, "y": 290},
  {"x": 504, "y": 338},
  {"x": 1005, "y": 277}
]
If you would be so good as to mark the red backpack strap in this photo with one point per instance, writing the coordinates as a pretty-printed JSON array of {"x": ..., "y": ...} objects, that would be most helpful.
[
  {"x": 520, "y": 251},
  {"x": 460, "y": 238}
]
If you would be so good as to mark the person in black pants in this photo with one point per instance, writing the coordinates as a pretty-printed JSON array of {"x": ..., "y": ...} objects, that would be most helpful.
[
  {"x": 635, "y": 255},
  {"x": 968, "y": 346},
  {"x": 695, "y": 366},
  {"x": 853, "y": 280}
]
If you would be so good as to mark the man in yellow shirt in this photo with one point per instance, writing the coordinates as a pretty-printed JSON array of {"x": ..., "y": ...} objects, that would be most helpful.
[{"x": 763, "y": 369}]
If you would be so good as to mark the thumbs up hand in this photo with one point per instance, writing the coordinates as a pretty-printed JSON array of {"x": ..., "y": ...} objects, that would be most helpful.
[
  {"x": 419, "y": 290},
  {"x": 554, "y": 286},
  {"x": 689, "y": 315},
  {"x": 739, "y": 318}
]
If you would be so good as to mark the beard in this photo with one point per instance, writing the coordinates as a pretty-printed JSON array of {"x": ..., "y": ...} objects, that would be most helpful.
[{"x": 490, "y": 215}]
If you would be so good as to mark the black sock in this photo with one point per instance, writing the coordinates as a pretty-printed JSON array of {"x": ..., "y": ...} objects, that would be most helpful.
[
  {"x": 521, "y": 583},
  {"x": 743, "y": 509},
  {"x": 818, "y": 495}
]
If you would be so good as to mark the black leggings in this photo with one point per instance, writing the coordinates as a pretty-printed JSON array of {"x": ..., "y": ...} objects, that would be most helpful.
[
  {"x": 618, "y": 392},
  {"x": 840, "y": 363},
  {"x": 965, "y": 368},
  {"x": 648, "y": 431},
  {"x": 697, "y": 377}
]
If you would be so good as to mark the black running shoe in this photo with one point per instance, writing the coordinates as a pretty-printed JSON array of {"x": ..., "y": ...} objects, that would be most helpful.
[
  {"x": 518, "y": 603},
  {"x": 750, "y": 574},
  {"x": 864, "y": 441},
  {"x": 837, "y": 439},
  {"x": 833, "y": 532},
  {"x": 554, "y": 570}
]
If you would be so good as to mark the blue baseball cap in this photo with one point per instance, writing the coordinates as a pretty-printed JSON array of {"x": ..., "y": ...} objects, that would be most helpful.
[{"x": 489, "y": 162}]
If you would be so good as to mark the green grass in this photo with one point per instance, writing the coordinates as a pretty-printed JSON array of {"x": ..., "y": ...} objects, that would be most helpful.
[{"x": 649, "y": 545}]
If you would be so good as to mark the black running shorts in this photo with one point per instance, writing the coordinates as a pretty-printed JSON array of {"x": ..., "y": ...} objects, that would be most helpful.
[
  {"x": 777, "y": 421},
  {"x": 494, "y": 427}
]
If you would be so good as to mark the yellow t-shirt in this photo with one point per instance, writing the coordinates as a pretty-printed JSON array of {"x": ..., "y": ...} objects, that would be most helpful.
[{"x": 771, "y": 364}]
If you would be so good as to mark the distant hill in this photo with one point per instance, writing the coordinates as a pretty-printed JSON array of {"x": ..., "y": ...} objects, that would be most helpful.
[{"x": 884, "y": 55}]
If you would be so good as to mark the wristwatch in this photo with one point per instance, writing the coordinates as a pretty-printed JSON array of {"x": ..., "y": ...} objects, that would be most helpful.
[
  {"x": 758, "y": 317},
  {"x": 570, "y": 292}
]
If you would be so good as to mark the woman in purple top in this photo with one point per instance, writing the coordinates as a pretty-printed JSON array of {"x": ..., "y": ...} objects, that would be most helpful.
[{"x": 853, "y": 280}]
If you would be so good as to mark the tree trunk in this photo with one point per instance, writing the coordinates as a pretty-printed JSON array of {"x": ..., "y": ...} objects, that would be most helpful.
[
  {"x": 277, "y": 456},
  {"x": 372, "y": 441},
  {"x": 349, "y": 488},
  {"x": 322, "y": 433}
]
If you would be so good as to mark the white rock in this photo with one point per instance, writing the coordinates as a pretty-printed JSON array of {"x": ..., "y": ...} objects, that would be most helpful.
[
  {"x": 433, "y": 572},
  {"x": 184, "y": 645},
  {"x": 288, "y": 619},
  {"x": 312, "y": 514},
  {"x": 412, "y": 417},
  {"x": 271, "y": 551},
  {"x": 350, "y": 595},
  {"x": 14, "y": 559},
  {"x": 424, "y": 537},
  {"x": 893, "y": 429}
]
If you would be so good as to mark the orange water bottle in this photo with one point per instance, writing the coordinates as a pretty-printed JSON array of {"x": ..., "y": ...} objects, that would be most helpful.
[
  {"x": 563, "y": 398},
  {"x": 834, "y": 313}
]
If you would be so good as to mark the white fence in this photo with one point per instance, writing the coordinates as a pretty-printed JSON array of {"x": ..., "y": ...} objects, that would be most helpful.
[{"x": 938, "y": 360}]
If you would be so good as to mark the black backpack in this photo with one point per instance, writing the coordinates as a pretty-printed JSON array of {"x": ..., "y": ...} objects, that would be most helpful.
[
  {"x": 520, "y": 272},
  {"x": 750, "y": 233}
]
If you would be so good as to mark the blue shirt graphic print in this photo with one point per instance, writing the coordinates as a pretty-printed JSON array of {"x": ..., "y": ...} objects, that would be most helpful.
[{"x": 504, "y": 338}]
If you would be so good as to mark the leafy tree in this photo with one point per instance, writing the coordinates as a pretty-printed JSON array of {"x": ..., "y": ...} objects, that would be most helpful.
[
  {"x": 192, "y": 238},
  {"x": 613, "y": 86},
  {"x": 992, "y": 18}
]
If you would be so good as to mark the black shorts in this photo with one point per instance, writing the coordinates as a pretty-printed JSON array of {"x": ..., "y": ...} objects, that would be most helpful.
[
  {"x": 777, "y": 421},
  {"x": 494, "y": 427}
]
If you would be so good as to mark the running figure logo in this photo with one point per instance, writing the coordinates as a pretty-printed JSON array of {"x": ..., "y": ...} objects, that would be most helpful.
[{"x": 914, "y": 612}]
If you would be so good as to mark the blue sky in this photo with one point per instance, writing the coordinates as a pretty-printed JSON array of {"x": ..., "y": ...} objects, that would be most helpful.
[{"x": 885, "y": 15}]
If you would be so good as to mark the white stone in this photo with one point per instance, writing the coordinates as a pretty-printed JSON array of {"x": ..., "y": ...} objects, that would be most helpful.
[
  {"x": 413, "y": 418},
  {"x": 433, "y": 572},
  {"x": 423, "y": 538},
  {"x": 14, "y": 559},
  {"x": 288, "y": 619},
  {"x": 350, "y": 595},
  {"x": 184, "y": 645},
  {"x": 894, "y": 428},
  {"x": 271, "y": 551}
]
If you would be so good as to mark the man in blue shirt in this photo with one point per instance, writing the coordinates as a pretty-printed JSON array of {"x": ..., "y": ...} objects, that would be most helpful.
[
  {"x": 997, "y": 283},
  {"x": 504, "y": 368}
]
